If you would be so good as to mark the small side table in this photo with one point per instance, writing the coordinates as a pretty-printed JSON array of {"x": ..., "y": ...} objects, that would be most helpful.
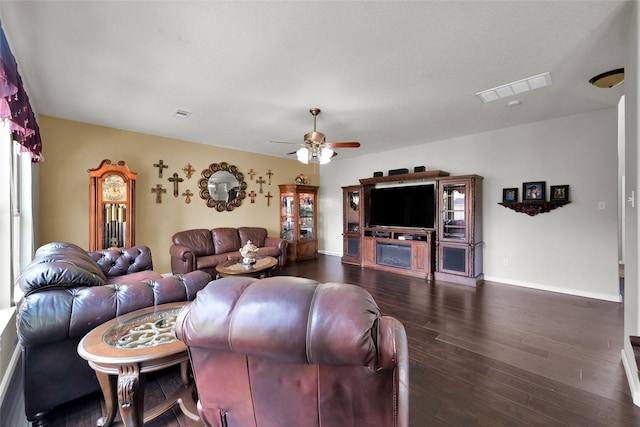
[
  {"x": 124, "y": 348},
  {"x": 262, "y": 268}
]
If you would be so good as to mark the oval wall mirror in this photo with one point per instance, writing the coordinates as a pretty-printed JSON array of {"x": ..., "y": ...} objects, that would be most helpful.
[{"x": 222, "y": 186}]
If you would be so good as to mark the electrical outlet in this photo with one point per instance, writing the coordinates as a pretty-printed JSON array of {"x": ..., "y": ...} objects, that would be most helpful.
[
  {"x": 602, "y": 205},
  {"x": 505, "y": 261}
]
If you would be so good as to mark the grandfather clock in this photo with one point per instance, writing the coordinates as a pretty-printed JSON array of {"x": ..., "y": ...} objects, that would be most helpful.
[{"x": 112, "y": 210}]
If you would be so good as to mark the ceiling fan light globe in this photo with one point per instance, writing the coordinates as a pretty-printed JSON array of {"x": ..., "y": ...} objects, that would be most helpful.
[
  {"x": 326, "y": 153},
  {"x": 303, "y": 155}
]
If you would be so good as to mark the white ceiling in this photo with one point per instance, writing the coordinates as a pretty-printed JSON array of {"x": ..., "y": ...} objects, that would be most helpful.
[{"x": 387, "y": 74}]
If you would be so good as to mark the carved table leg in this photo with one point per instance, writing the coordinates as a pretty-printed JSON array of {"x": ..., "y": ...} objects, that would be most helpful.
[
  {"x": 131, "y": 395},
  {"x": 108, "y": 386}
]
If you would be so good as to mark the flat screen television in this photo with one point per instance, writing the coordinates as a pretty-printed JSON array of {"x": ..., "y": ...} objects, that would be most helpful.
[{"x": 409, "y": 206}]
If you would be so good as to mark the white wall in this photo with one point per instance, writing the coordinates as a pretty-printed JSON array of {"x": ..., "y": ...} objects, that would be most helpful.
[{"x": 572, "y": 249}]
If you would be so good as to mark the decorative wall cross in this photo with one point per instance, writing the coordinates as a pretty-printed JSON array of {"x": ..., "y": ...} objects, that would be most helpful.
[
  {"x": 160, "y": 165},
  {"x": 175, "y": 181},
  {"x": 260, "y": 181},
  {"x": 252, "y": 195},
  {"x": 159, "y": 191},
  {"x": 251, "y": 174},
  {"x": 188, "y": 170},
  {"x": 269, "y": 175},
  {"x": 187, "y": 194},
  {"x": 268, "y": 196}
]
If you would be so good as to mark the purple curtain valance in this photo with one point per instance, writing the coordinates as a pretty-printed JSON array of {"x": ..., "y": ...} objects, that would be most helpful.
[{"x": 14, "y": 103}]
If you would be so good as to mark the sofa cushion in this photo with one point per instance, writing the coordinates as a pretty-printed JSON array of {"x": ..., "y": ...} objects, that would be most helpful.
[
  {"x": 255, "y": 234},
  {"x": 198, "y": 240},
  {"x": 212, "y": 261},
  {"x": 225, "y": 239}
]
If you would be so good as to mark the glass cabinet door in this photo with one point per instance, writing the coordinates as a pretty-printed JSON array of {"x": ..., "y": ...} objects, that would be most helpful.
[
  {"x": 307, "y": 216},
  {"x": 287, "y": 219},
  {"x": 454, "y": 223},
  {"x": 352, "y": 211}
]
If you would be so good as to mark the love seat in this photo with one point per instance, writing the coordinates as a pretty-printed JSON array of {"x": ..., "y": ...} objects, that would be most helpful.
[
  {"x": 289, "y": 351},
  {"x": 203, "y": 249},
  {"x": 67, "y": 293}
]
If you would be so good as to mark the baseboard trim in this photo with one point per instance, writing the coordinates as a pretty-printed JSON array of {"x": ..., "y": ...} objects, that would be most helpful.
[
  {"x": 632, "y": 378},
  {"x": 541, "y": 287}
]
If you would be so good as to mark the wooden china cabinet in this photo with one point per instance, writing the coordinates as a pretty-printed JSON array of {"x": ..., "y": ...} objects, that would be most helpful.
[
  {"x": 352, "y": 224},
  {"x": 299, "y": 220},
  {"x": 459, "y": 244},
  {"x": 112, "y": 206}
]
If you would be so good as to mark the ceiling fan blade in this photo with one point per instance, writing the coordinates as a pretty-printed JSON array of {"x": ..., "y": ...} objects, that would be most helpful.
[
  {"x": 343, "y": 144},
  {"x": 286, "y": 142}
]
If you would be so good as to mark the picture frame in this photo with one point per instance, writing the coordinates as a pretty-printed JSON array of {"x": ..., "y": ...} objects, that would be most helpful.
[
  {"x": 559, "y": 193},
  {"x": 509, "y": 195},
  {"x": 534, "y": 191}
]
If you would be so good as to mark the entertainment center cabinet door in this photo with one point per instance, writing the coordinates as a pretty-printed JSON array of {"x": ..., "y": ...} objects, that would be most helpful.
[
  {"x": 422, "y": 260},
  {"x": 369, "y": 251}
]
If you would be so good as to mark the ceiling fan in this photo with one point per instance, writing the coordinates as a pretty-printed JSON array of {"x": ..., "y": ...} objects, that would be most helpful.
[{"x": 314, "y": 148}]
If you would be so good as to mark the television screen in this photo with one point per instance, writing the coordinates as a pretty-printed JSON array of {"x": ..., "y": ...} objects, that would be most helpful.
[{"x": 410, "y": 206}]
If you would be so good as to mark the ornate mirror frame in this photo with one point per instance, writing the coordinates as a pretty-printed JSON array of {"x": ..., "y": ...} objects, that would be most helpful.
[{"x": 222, "y": 205}]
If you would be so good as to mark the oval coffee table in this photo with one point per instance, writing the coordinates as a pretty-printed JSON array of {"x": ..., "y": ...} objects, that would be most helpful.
[
  {"x": 262, "y": 268},
  {"x": 124, "y": 348}
]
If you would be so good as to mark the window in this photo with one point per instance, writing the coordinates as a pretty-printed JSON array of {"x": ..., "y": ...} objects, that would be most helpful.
[{"x": 16, "y": 221}]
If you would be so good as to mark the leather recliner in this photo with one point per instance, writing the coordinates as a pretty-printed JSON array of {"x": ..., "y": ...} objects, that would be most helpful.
[{"x": 289, "y": 351}]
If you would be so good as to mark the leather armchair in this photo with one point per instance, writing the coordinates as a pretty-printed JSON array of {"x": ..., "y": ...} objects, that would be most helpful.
[{"x": 288, "y": 351}]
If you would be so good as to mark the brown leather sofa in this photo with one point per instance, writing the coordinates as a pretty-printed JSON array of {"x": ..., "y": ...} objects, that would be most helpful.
[
  {"x": 202, "y": 249},
  {"x": 288, "y": 351},
  {"x": 68, "y": 292}
]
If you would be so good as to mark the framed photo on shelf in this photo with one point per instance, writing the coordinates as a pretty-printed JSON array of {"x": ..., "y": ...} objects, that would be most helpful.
[
  {"x": 533, "y": 191},
  {"x": 509, "y": 195},
  {"x": 559, "y": 193}
]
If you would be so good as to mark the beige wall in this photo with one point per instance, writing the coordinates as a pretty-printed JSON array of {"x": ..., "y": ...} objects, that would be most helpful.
[{"x": 71, "y": 148}]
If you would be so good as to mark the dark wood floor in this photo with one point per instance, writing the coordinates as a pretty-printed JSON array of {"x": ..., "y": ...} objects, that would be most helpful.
[{"x": 495, "y": 355}]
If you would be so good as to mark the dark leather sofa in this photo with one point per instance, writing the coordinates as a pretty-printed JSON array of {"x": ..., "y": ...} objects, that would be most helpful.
[
  {"x": 68, "y": 292},
  {"x": 289, "y": 351},
  {"x": 203, "y": 249}
]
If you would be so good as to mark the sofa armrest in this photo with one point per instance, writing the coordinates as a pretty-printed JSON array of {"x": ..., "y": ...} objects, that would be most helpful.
[
  {"x": 183, "y": 259},
  {"x": 280, "y": 244}
]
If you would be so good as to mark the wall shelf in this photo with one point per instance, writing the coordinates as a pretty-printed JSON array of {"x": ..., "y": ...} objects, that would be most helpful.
[{"x": 533, "y": 208}]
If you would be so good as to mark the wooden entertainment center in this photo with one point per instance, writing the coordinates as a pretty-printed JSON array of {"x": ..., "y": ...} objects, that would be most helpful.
[{"x": 450, "y": 251}]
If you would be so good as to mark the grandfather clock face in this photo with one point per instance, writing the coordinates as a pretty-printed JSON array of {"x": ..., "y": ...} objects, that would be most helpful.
[{"x": 114, "y": 189}]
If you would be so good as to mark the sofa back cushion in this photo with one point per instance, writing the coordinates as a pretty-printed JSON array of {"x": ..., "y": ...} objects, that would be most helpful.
[
  {"x": 255, "y": 234},
  {"x": 198, "y": 240},
  {"x": 225, "y": 239},
  {"x": 124, "y": 261}
]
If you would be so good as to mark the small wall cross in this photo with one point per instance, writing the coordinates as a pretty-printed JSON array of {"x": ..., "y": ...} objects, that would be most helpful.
[
  {"x": 188, "y": 170},
  {"x": 260, "y": 181},
  {"x": 160, "y": 165},
  {"x": 268, "y": 196},
  {"x": 187, "y": 196},
  {"x": 252, "y": 196},
  {"x": 251, "y": 174},
  {"x": 159, "y": 191},
  {"x": 269, "y": 175},
  {"x": 175, "y": 181}
]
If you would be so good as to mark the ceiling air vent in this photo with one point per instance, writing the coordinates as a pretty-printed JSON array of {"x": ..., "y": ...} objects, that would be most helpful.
[
  {"x": 510, "y": 89},
  {"x": 183, "y": 114}
]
